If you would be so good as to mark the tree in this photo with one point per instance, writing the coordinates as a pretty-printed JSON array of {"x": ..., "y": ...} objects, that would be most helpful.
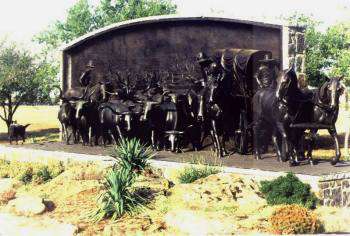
[
  {"x": 18, "y": 83},
  {"x": 327, "y": 53},
  {"x": 83, "y": 18},
  {"x": 108, "y": 12},
  {"x": 46, "y": 75}
]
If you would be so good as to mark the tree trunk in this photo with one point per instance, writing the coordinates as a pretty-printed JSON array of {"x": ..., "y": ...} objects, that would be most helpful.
[{"x": 8, "y": 123}]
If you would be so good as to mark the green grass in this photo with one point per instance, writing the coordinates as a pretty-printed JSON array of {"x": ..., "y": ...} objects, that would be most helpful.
[
  {"x": 191, "y": 174},
  {"x": 44, "y": 125}
]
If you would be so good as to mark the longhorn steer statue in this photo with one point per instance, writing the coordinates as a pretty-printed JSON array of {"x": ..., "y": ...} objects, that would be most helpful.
[
  {"x": 66, "y": 114},
  {"x": 116, "y": 117}
]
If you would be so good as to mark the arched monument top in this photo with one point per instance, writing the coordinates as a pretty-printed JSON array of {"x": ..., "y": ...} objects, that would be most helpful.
[{"x": 162, "y": 19}]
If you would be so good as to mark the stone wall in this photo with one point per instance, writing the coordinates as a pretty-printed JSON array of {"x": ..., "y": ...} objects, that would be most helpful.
[
  {"x": 296, "y": 49},
  {"x": 335, "y": 190}
]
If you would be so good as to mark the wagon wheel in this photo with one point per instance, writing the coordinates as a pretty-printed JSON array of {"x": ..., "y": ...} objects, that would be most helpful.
[{"x": 242, "y": 135}]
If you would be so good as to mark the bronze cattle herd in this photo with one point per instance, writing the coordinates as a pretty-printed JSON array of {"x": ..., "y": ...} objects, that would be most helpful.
[{"x": 235, "y": 95}]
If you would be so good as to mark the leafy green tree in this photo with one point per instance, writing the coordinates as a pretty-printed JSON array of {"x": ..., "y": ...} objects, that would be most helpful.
[
  {"x": 109, "y": 12},
  {"x": 46, "y": 73},
  {"x": 83, "y": 18},
  {"x": 327, "y": 53},
  {"x": 18, "y": 83}
]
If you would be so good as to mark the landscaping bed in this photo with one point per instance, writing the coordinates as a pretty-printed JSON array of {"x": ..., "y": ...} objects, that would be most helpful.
[{"x": 221, "y": 203}]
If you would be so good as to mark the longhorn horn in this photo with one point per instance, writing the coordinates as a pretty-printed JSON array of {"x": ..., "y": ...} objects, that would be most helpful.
[{"x": 60, "y": 96}]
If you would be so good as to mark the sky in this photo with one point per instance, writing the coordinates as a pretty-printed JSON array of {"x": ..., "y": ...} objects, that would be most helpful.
[{"x": 20, "y": 20}]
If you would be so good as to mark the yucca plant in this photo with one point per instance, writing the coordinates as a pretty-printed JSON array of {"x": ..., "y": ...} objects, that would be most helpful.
[
  {"x": 118, "y": 198},
  {"x": 131, "y": 154}
]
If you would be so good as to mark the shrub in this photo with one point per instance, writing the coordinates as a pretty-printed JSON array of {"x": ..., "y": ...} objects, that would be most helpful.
[
  {"x": 288, "y": 190},
  {"x": 43, "y": 175},
  {"x": 29, "y": 171},
  {"x": 4, "y": 166},
  {"x": 27, "y": 176},
  {"x": 118, "y": 198},
  {"x": 131, "y": 154},
  {"x": 294, "y": 219},
  {"x": 191, "y": 174},
  {"x": 7, "y": 195},
  {"x": 55, "y": 168}
]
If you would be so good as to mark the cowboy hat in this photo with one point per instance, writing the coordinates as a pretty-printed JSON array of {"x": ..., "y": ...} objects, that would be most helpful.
[
  {"x": 90, "y": 64},
  {"x": 202, "y": 58}
]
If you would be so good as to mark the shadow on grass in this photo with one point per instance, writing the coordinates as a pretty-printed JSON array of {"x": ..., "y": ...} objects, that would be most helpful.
[{"x": 43, "y": 135}]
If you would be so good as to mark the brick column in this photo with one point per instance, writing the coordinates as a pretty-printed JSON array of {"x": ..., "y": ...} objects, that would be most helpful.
[
  {"x": 335, "y": 190},
  {"x": 296, "y": 49}
]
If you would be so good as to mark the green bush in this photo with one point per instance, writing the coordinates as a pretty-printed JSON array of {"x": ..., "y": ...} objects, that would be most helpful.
[
  {"x": 118, "y": 198},
  {"x": 30, "y": 171},
  {"x": 131, "y": 154},
  {"x": 43, "y": 174},
  {"x": 27, "y": 176},
  {"x": 191, "y": 174},
  {"x": 288, "y": 190}
]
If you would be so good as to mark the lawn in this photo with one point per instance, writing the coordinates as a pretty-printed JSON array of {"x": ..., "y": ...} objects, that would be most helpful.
[{"x": 43, "y": 121}]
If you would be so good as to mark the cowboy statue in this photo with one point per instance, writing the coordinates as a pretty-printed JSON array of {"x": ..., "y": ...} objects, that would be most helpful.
[
  {"x": 204, "y": 62},
  {"x": 86, "y": 76},
  {"x": 267, "y": 72}
]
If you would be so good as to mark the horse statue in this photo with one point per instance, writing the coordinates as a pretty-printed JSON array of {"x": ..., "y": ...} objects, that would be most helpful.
[
  {"x": 275, "y": 109},
  {"x": 322, "y": 113}
]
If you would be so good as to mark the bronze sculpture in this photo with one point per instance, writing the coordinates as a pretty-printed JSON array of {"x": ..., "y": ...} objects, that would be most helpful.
[
  {"x": 86, "y": 76},
  {"x": 232, "y": 95}
]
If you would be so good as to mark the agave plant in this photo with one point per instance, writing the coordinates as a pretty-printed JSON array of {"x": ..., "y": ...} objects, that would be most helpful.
[
  {"x": 132, "y": 155},
  {"x": 118, "y": 198}
]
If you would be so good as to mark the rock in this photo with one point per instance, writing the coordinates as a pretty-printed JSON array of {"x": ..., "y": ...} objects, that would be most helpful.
[
  {"x": 250, "y": 204},
  {"x": 6, "y": 184},
  {"x": 19, "y": 225},
  {"x": 199, "y": 223},
  {"x": 27, "y": 205},
  {"x": 334, "y": 219}
]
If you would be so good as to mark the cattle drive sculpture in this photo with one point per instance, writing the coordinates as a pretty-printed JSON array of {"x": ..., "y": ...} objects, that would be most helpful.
[{"x": 235, "y": 94}]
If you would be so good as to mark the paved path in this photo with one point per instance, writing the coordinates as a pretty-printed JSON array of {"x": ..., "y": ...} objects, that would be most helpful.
[{"x": 269, "y": 163}]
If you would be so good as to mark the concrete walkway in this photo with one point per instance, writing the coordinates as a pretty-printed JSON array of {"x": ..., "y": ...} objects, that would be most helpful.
[{"x": 160, "y": 161}]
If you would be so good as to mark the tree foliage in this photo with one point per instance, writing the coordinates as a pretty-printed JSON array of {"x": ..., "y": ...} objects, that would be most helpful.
[
  {"x": 83, "y": 18},
  {"x": 18, "y": 81},
  {"x": 328, "y": 52}
]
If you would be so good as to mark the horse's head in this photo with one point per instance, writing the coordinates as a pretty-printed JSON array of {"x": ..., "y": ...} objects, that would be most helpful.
[
  {"x": 286, "y": 81},
  {"x": 330, "y": 92}
]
